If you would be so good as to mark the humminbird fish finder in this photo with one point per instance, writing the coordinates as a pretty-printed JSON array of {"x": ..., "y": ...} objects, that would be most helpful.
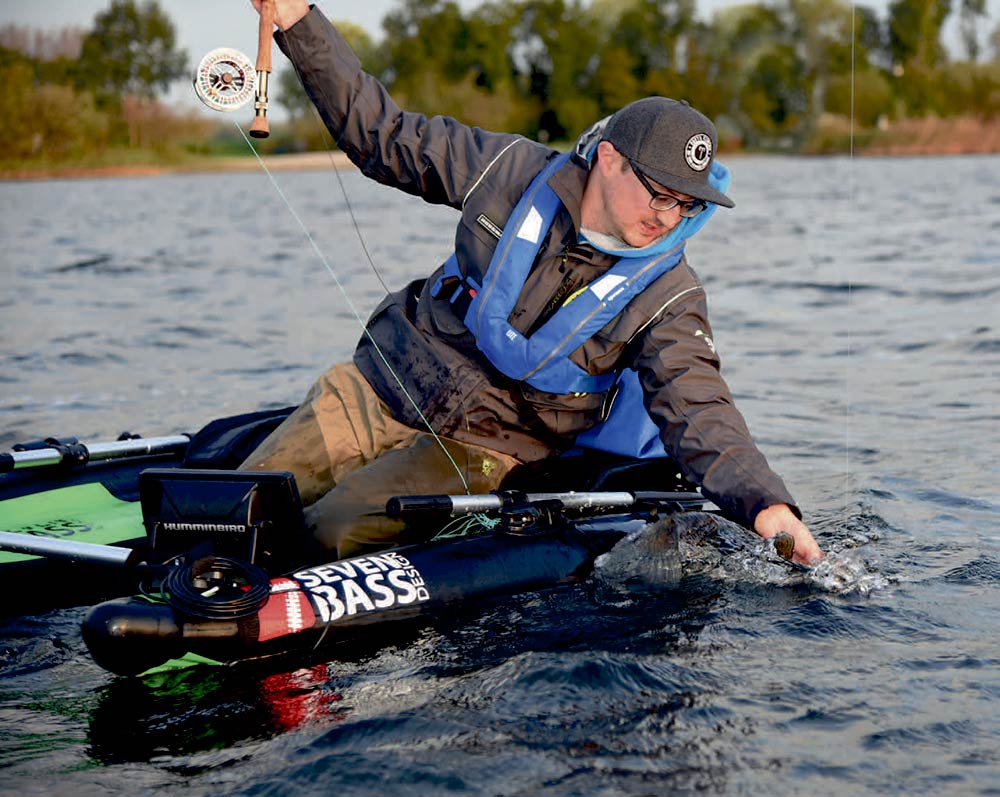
[{"x": 254, "y": 516}]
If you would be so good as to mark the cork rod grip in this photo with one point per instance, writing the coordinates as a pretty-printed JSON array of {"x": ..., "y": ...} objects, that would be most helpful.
[{"x": 265, "y": 38}]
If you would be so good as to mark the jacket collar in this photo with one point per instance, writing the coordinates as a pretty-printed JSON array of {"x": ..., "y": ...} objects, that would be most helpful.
[{"x": 568, "y": 183}]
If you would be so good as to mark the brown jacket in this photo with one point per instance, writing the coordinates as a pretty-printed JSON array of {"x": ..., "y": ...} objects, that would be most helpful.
[{"x": 664, "y": 332}]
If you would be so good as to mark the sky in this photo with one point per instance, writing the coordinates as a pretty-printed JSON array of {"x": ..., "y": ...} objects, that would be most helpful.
[{"x": 203, "y": 25}]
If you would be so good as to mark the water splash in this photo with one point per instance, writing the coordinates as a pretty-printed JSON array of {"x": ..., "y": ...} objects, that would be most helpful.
[
  {"x": 700, "y": 543},
  {"x": 842, "y": 572},
  {"x": 848, "y": 572}
]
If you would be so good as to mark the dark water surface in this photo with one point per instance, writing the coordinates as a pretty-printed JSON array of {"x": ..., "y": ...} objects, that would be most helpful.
[{"x": 855, "y": 307}]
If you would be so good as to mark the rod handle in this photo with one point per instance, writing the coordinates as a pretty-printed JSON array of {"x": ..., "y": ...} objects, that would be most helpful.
[{"x": 265, "y": 40}]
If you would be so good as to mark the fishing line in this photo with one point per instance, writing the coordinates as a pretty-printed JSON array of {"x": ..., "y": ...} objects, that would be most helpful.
[
  {"x": 350, "y": 303},
  {"x": 327, "y": 625},
  {"x": 850, "y": 281},
  {"x": 350, "y": 208}
]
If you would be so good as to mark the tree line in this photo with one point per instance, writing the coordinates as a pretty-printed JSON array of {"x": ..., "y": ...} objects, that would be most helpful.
[
  {"x": 771, "y": 73},
  {"x": 76, "y": 93},
  {"x": 767, "y": 71}
]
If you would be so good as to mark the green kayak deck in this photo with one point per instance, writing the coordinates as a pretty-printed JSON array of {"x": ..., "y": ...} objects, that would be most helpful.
[{"x": 82, "y": 513}]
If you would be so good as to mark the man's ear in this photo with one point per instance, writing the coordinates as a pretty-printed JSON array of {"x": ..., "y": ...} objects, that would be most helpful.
[{"x": 607, "y": 157}]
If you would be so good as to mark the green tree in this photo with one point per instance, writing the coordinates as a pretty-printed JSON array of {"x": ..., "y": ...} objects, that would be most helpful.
[
  {"x": 706, "y": 63},
  {"x": 915, "y": 31},
  {"x": 615, "y": 83},
  {"x": 758, "y": 74},
  {"x": 46, "y": 121},
  {"x": 424, "y": 36},
  {"x": 867, "y": 95},
  {"x": 857, "y": 82},
  {"x": 658, "y": 37},
  {"x": 917, "y": 53},
  {"x": 871, "y": 37},
  {"x": 776, "y": 97},
  {"x": 424, "y": 45},
  {"x": 292, "y": 96},
  {"x": 439, "y": 61},
  {"x": 970, "y": 12},
  {"x": 551, "y": 49},
  {"x": 131, "y": 50},
  {"x": 823, "y": 30}
]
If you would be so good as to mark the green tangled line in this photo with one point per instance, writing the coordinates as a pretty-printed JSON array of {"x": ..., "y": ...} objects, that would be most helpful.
[{"x": 467, "y": 526}]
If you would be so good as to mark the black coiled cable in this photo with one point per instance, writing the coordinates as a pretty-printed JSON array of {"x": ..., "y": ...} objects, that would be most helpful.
[{"x": 217, "y": 588}]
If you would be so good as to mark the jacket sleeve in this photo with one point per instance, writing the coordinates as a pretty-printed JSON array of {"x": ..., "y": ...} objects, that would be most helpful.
[
  {"x": 438, "y": 159},
  {"x": 700, "y": 425}
]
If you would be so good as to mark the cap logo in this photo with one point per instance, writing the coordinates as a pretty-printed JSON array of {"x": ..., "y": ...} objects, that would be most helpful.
[{"x": 698, "y": 152}]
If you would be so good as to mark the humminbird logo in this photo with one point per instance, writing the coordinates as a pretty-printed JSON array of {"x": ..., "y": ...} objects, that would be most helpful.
[{"x": 230, "y": 528}]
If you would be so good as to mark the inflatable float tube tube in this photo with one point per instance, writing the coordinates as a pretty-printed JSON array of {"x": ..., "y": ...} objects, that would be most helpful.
[{"x": 348, "y": 598}]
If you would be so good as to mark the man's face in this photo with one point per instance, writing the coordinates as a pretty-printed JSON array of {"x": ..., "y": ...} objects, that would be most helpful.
[{"x": 640, "y": 224}]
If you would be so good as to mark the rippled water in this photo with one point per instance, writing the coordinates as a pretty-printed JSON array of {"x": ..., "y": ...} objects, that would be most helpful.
[{"x": 854, "y": 304}]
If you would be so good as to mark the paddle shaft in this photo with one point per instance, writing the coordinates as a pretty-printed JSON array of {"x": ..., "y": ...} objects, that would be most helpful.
[
  {"x": 65, "y": 549},
  {"x": 79, "y": 454}
]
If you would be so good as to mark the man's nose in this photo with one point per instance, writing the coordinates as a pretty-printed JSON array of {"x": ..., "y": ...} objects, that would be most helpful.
[{"x": 669, "y": 218}]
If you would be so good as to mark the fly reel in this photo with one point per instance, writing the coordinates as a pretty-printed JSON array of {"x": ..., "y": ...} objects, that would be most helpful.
[{"x": 226, "y": 80}]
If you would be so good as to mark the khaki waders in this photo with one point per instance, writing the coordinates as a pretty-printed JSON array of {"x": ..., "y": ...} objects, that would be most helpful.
[{"x": 349, "y": 457}]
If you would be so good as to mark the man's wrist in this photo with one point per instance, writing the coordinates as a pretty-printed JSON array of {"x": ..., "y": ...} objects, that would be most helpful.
[{"x": 289, "y": 13}]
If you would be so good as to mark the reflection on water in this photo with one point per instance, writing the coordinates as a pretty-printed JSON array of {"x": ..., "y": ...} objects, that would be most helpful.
[{"x": 854, "y": 305}]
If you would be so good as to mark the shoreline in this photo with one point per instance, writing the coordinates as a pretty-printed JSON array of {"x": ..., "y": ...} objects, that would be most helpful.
[
  {"x": 225, "y": 164},
  {"x": 918, "y": 146}
]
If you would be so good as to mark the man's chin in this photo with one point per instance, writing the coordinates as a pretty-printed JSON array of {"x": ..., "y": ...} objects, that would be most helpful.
[{"x": 641, "y": 239}]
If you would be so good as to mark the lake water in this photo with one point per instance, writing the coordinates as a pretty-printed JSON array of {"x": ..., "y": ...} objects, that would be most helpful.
[{"x": 854, "y": 303}]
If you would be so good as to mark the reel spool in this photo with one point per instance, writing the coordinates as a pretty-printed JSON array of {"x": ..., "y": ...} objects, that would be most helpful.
[{"x": 226, "y": 80}]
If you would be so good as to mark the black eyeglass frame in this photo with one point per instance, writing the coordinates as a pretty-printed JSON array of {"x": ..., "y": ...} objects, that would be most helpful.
[{"x": 660, "y": 202}]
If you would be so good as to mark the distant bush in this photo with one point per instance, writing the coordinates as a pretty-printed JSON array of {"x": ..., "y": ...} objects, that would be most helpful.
[
  {"x": 47, "y": 121},
  {"x": 873, "y": 97},
  {"x": 972, "y": 89}
]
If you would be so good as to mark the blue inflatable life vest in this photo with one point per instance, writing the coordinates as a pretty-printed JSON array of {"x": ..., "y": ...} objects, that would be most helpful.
[{"x": 542, "y": 360}]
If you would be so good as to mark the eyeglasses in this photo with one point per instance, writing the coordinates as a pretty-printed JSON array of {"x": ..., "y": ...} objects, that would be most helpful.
[{"x": 658, "y": 201}]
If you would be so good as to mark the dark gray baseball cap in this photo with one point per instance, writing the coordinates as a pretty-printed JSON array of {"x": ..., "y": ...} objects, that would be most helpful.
[{"x": 669, "y": 142}]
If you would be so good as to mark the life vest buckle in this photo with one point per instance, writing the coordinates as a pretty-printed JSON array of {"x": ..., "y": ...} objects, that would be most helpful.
[{"x": 456, "y": 292}]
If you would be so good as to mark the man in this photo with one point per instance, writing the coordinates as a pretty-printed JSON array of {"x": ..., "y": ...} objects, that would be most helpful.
[{"x": 567, "y": 298}]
